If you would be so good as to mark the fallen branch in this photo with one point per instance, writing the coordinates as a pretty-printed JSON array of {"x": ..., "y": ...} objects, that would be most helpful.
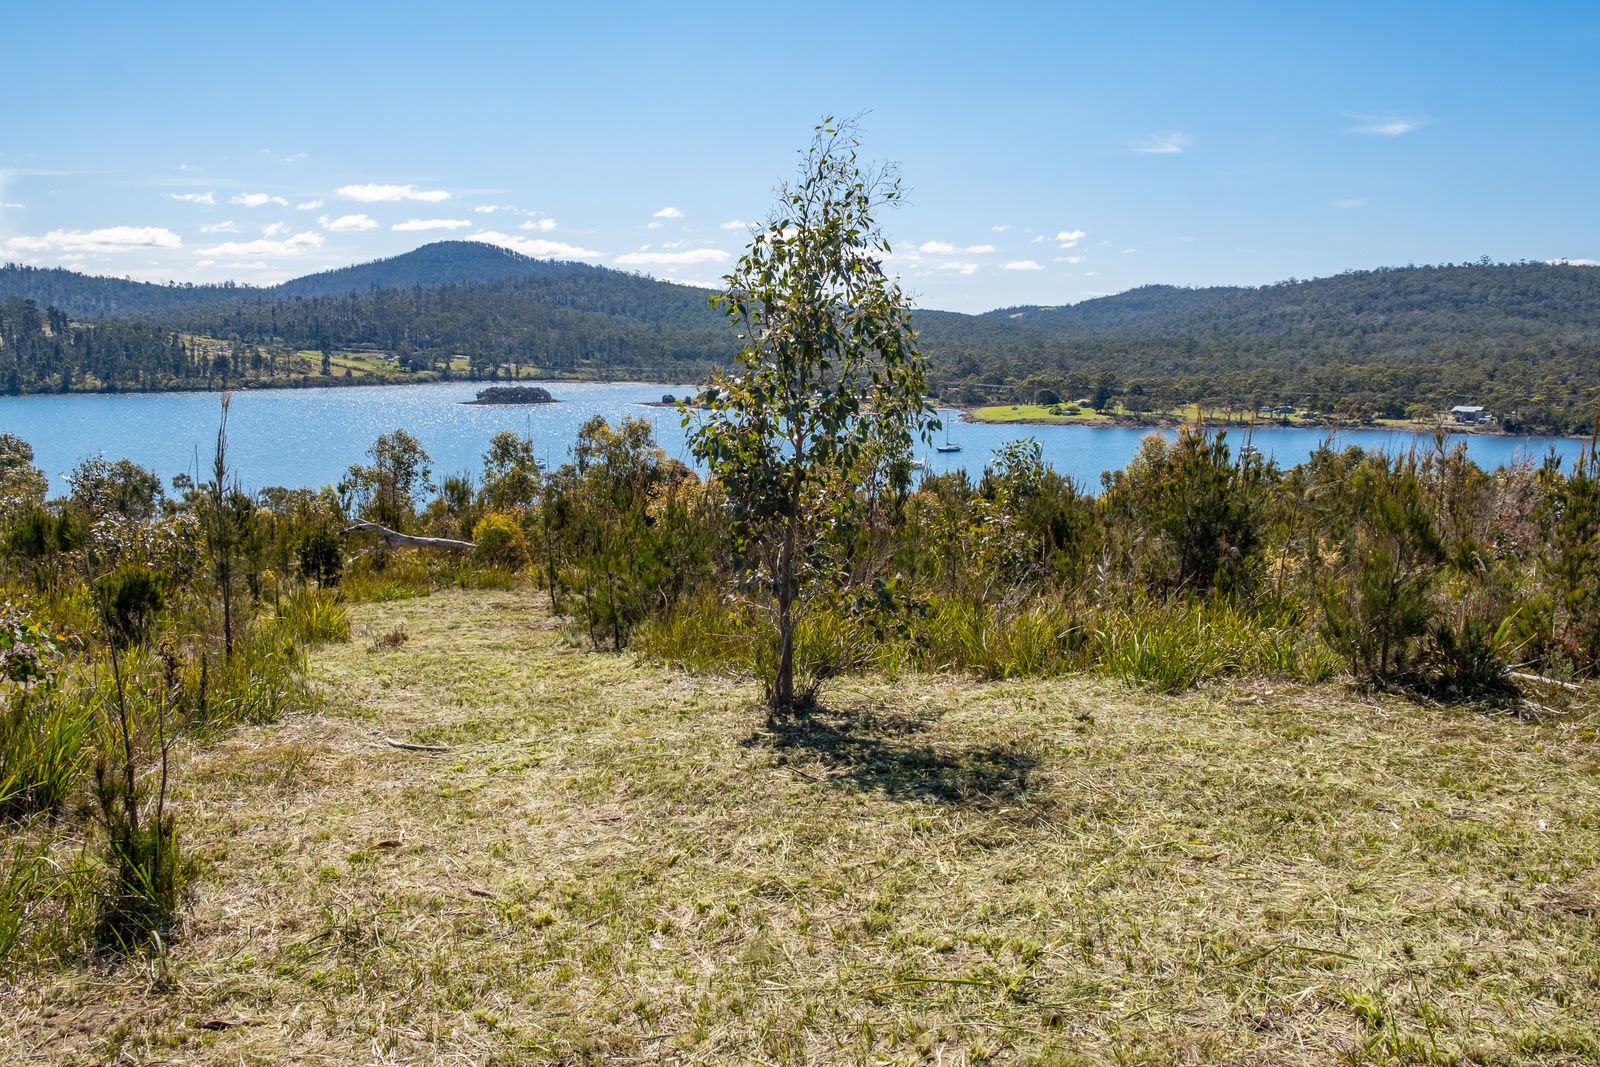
[
  {"x": 395, "y": 537},
  {"x": 409, "y": 747},
  {"x": 1539, "y": 679}
]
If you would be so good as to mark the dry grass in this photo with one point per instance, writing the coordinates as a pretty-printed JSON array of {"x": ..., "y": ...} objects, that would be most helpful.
[{"x": 618, "y": 862}]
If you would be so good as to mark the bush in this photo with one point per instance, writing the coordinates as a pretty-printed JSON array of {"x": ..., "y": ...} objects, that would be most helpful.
[
  {"x": 500, "y": 541},
  {"x": 130, "y": 597},
  {"x": 320, "y": 557},
  {"x": 139, "y": 902}
]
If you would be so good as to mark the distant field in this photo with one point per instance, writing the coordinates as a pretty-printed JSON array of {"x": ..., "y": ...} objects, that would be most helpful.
[
  {"x": 616, "y": 862},
  {"x": 1033, "y": 413}
]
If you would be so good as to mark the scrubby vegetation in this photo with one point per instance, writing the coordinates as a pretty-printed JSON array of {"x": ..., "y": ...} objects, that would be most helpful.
[
  {"x": 136, "y": 618},
  {"x": 937, "y": 658}
]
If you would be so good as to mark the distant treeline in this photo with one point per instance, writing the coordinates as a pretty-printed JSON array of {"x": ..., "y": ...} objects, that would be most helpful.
[{"x": 1522, "y": 339}]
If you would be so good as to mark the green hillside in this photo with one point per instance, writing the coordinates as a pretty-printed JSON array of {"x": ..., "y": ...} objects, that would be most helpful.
[{"x": 1522, "y": 339}]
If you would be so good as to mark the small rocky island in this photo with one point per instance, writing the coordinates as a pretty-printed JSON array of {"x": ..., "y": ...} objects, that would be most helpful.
[{"x": 513, "y": 394}]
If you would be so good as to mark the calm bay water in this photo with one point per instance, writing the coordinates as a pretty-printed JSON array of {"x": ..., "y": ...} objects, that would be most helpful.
[{"x": 300, "y": 437}]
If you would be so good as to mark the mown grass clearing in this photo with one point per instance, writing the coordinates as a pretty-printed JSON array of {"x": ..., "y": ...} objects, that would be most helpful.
[
  {"x": 1038, "y": 413},
  {"x": 616, "y": 861}
]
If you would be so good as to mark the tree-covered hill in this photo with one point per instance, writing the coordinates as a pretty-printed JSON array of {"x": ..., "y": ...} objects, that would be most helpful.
[
  {"x": 85, "y": 296},
  {"x": 439, "y": 263},
  {"x": 1523, "y": 339},
  {"x": 88, "y": 297}
]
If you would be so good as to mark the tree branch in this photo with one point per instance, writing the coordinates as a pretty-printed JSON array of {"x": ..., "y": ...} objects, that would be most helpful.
[{"x": 395, "y": 537}]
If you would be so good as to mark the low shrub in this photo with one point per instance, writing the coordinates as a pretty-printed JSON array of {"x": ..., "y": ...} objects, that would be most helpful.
[{"x": 501, "y": 542}]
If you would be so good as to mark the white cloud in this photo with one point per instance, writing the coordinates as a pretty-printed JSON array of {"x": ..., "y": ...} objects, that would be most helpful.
[
  {"x": 9, "y": 204},
  {"x": 696, "y": 255},
  {"x": 1022, "y": 264},
  {"x": 532, "y": 246},
  {"x": 1170, "y": 143},
  {"x": 348, "y": 223},
  {"x": 1070, "y": 238},
  {"x": 372, "y": 193},
  {"x": 1037, "y": 239},
  {"x": 1580, "y": 261},
  {"x": 1387, "y": 125},
  {"x": 945, "y": 248},
  {"x": 544, "y": 225},
  {"x": 258, "y": 200},
  {"x": 668, "y": 213},
  {"x": 414, "y": 225},
  {"x": 1354, "y": 201},
  {"x": 220, "y": 227},
  {"x": 194, "y": 198},
  {"x": 1069, "y": 259},
  {"x": 293, "y": 246},
  {"x": 275, "y": 229},
  {"x": 1001, "y": 229},
  {"x": 1128, "y": 251},
  {"x": 964, "y": 268},
  {"x": 108, "y": 239},
  {"x": 308, "y": 205},
  {"x": 734, "y": 224}
]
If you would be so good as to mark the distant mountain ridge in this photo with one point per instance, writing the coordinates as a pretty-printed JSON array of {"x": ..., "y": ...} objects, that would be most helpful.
[
  {"x": 440, "y": 263},
  {"x": 1559, "y": 293}
]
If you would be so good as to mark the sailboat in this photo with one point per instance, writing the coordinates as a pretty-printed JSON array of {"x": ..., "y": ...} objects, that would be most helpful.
[{"x": 948, "y": 446}]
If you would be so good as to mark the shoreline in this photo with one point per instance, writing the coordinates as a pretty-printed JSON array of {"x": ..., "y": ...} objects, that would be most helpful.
[
  {"x": 1173, "y": 422},
  {"x": 290, "y": 387},
  {"x": 967, "y": 412}
]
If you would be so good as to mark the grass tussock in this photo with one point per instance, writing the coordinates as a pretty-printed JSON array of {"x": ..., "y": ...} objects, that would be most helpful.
[
  {"x": 315, "y": 616},
  {"x": 616, "y": 862}
]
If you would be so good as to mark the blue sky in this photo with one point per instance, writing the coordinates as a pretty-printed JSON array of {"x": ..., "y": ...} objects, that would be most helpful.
[{"x": 1053, "y": 151}]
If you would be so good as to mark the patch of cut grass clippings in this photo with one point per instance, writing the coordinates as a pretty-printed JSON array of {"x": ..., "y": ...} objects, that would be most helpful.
[{"x": 616, "y": 862}]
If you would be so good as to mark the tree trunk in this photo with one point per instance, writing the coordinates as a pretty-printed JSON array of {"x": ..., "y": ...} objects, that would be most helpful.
[{"x": 783, "y": 682}]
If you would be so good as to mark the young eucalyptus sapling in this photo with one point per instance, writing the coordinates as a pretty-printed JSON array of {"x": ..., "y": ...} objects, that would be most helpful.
[{"x": 827, "y": 394}]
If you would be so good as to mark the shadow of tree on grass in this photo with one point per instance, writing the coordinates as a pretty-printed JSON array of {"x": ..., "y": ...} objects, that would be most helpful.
[{"x": 874, "y": 752}]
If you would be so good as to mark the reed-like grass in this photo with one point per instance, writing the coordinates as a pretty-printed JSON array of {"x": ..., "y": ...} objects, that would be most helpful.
[
  {"x": 1168, "y": 645},
  {"x": 313, "y": 616},
  {"x": 45, "y": 739}
]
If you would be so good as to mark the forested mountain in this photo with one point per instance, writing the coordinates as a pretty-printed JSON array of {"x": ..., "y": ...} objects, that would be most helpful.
[
  {"x": 1522, "y": 338},
  {"x": 562, "y": 318},
  {"x": 84, "y": 296},
  {"x": 440, "y": 263}
]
